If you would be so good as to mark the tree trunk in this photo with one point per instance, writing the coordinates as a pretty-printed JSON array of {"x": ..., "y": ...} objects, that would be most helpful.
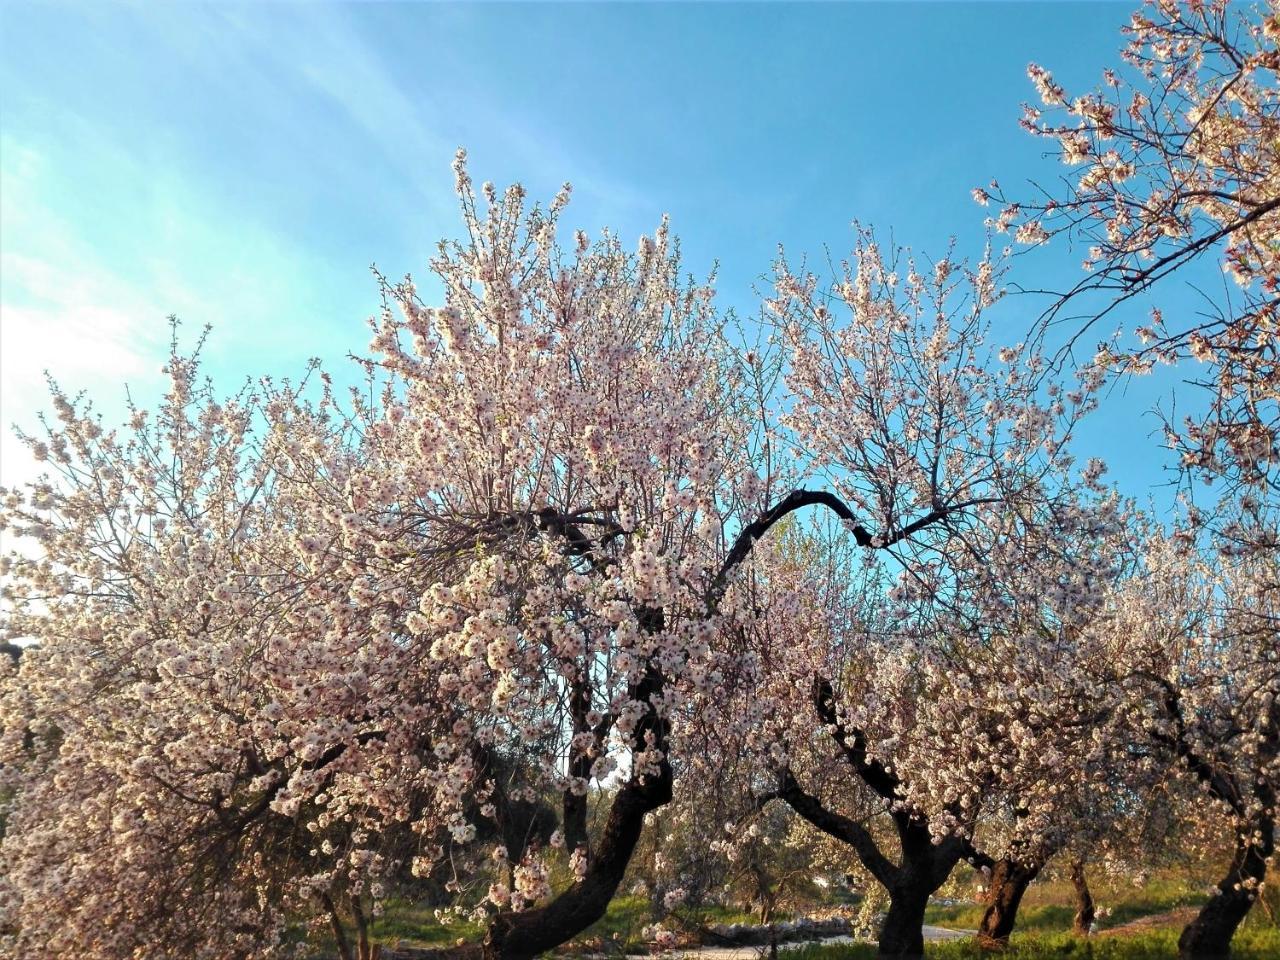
[
  {"x": 1009, "y": 881},
  {"x": 335, "y": 924},
  {"x": 575, "y": 805},
  {"x": 1083, "y": 922},
  {"x": 902, "y": 933},
  {"x": 520, "y": 936},
  {"x": 574, "y": 815},
  {"x": 1208, "y": 936},
  {"x": 365, "y": 948}
]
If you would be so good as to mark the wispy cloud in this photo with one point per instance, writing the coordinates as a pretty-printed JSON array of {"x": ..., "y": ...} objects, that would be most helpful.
[
  {"x": 408, "y": 111},
  {"x": 60, "y": 311},
  {"x": 86, "y": 294}
]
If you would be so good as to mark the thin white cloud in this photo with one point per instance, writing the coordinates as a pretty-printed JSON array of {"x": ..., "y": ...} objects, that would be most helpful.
[
  {"x": 93, "y": 312},
  {"x": 409, "y": 115},
  {"x": 59, "y": 312}
]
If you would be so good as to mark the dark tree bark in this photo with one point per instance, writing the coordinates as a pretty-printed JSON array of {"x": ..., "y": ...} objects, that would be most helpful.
[
  {"x": 924, "y": 866},
  {"x": 365, "y": 949},
  {"x": 1009, "y": 881},
  {"x": 575, "y": 805},
  {"x": 1083, "y": 921},
  {"x": 1253, "y": 801},
  {"x": 335, "y": 925},
  {"x": 1208, "y": 936},
  {"x": 902, "y": 932},
  {"x": 520, "y": 936}
]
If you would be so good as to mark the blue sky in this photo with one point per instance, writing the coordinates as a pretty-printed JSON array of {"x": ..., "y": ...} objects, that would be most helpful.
[{"x": 243, "y": 165}]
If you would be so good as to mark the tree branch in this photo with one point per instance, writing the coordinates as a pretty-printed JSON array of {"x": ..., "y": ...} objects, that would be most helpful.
[
  {"x": 853, "y": 743},
  {"x": 834, "y": 825}
]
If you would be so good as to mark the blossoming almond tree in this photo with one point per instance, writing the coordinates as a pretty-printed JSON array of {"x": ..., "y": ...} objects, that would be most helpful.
[
  {"x": 1050, "y": 741},
  {"x": 287, "y": 654},
  {"x": 1020, "y": 726},
  {"x": 949, "y": 714},
  {"x": 1198, "y": 657},
  {"x": 1100, "y": 728},
  {"x": 1178, "y": 161},
  {"x": 579, "y": 417},
  {"x": 953, "y": 452},
  {"x": 211, "y": 733}
]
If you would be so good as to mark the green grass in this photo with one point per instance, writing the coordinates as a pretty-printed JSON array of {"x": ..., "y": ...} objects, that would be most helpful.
[
  {"x": 620, "y": 927},
  {"x": 713, "y": 913},
  {"x": 413, "y": 925},
  {"x": 1044, "y": 922},
  {"x": 1049, "y": 907},
  {"x": 1253, "y": 944},
  {"x": 1158, "y": 895},
  {"x": 1040, "y": 917}
]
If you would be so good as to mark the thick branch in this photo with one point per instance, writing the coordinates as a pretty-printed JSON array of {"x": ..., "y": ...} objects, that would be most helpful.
[
  {"x": 853, "y": 743},
  {"x": 259, "y": 807},
  {"x": 976, "y": 857},
  {"x": 795, "y": 500},
  {"x": 835, "y": 825},
  {"x": 1220, "y": 786},
  {"x": 798, "y": 499}
]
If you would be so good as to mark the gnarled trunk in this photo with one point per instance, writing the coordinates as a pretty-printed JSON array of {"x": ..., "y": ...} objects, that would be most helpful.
[
  {"x": 925, "y": 867},
  {"x": 1009, "y": 881},
  {"x": 1208, "y": 936},
  {"x": 1082, "y": 924},
  {"x": 925, "y": 864},
  {"x": 902, "y": 933},
  {"x": 520, "y": 936}
]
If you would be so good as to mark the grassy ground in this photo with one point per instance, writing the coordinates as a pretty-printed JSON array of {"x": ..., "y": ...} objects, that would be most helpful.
[
  {"x": 413, "y": 925},
  {"x": 1049, "y": 907},
  {"x": 410, "y": 925},
  {"x": 1249, "y": 944},
  {"x": 1162, "y": 905},
  {"x": 621, "y": 926}
]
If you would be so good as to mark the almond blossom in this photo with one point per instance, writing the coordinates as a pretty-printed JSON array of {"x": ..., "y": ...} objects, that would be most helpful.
[{"x": 1171, "y": 161}]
